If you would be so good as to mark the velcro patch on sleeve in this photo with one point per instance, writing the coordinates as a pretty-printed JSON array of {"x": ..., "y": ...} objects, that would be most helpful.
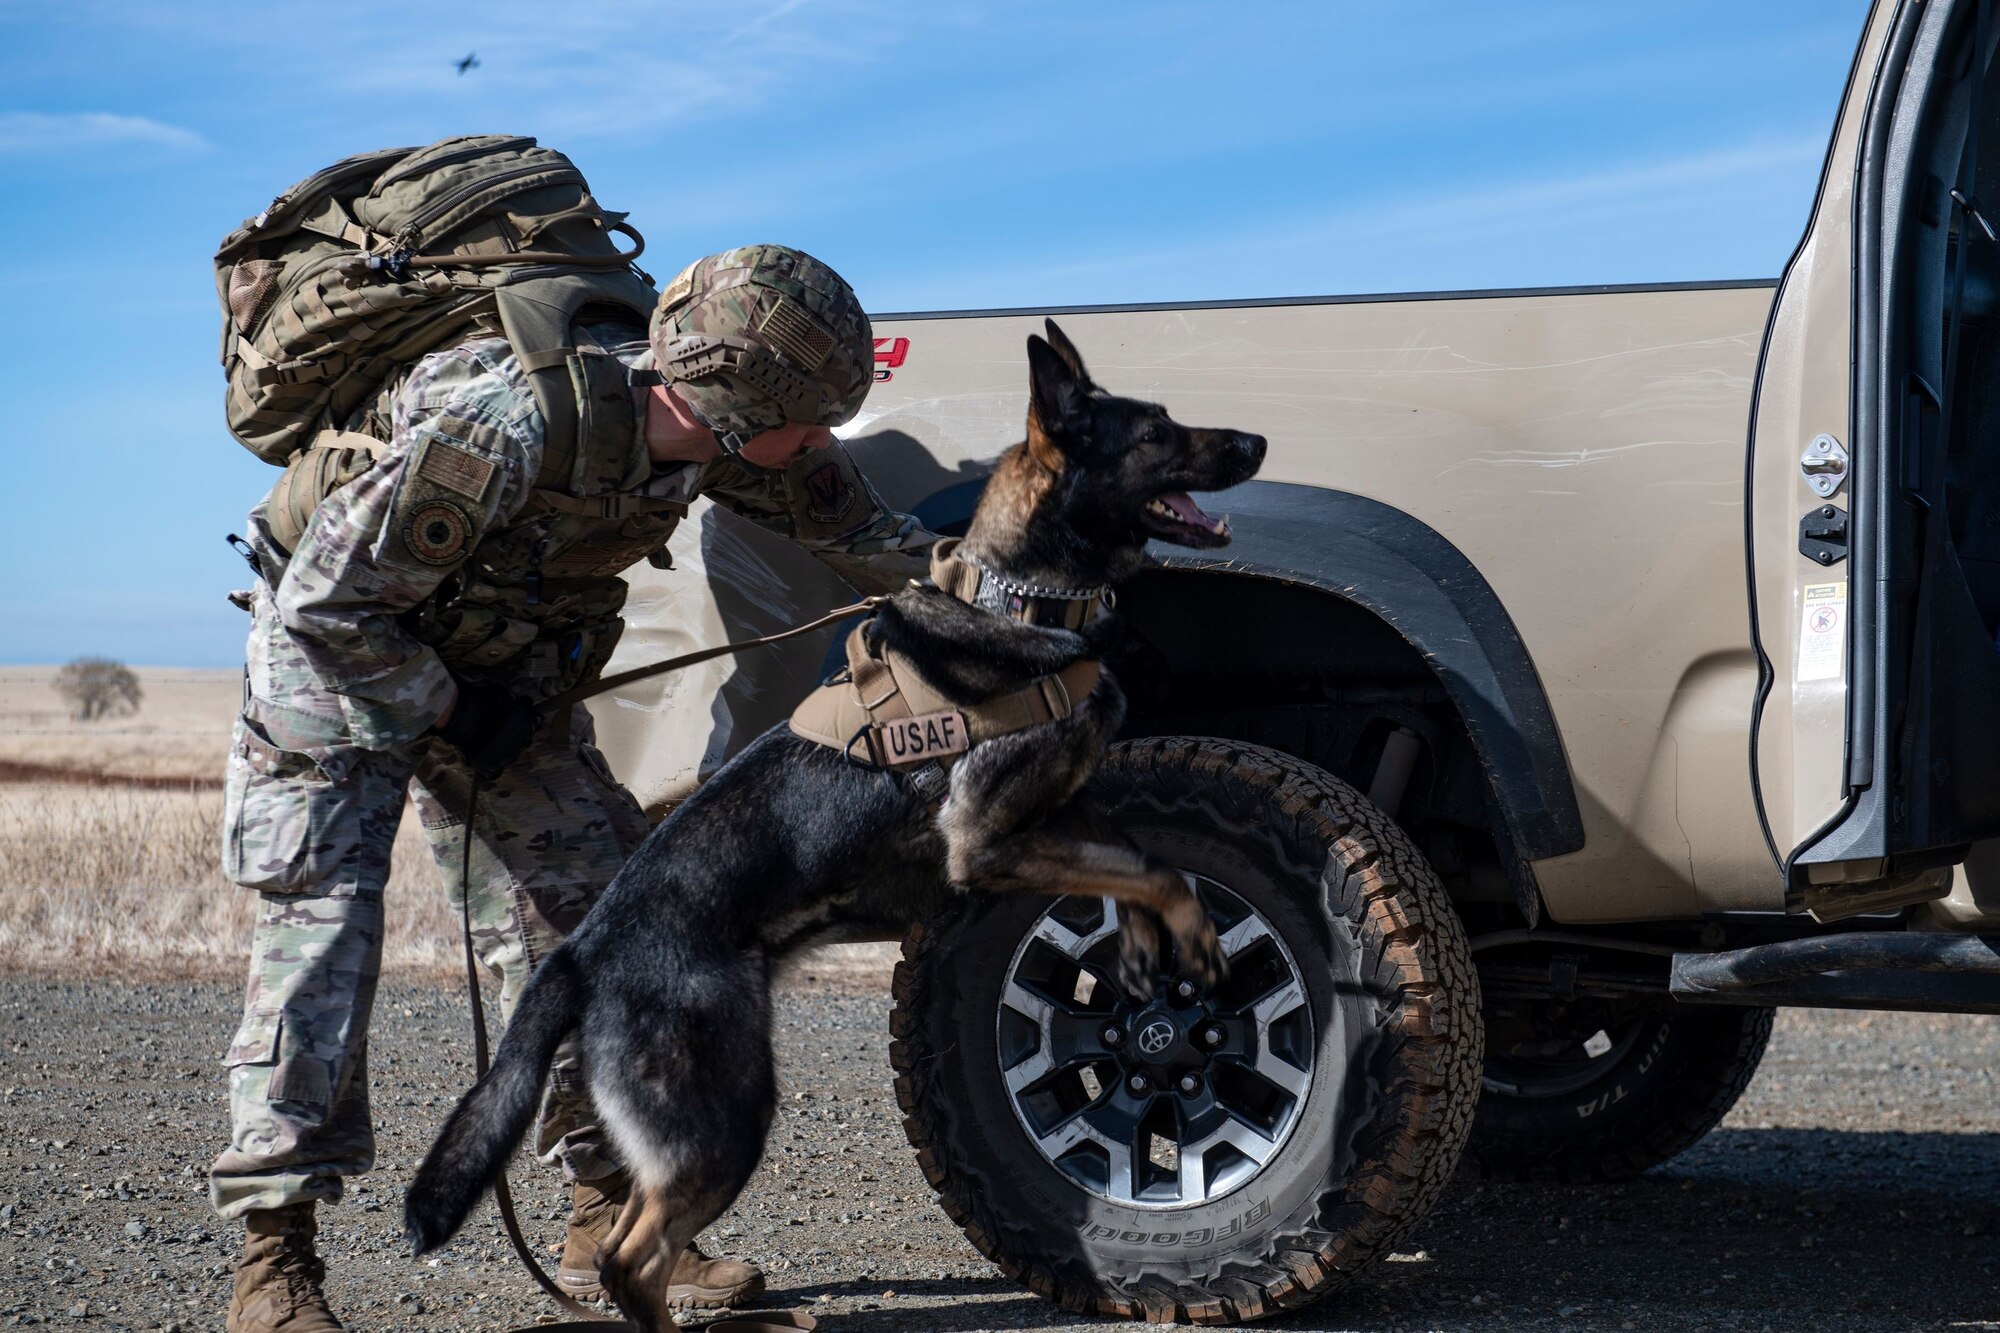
[
  {"x": 440, "y": 511},
  {"x": 829, "y": 494},
  {"x": 911, "y": 740},
  {"x": 455, "y": 467},
  {"x": 437, "y": 532},
  {"x": 826, "y": 494}
]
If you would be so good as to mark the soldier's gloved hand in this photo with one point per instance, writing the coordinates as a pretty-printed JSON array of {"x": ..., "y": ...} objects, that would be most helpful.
[{"x": 490, "y": 727}]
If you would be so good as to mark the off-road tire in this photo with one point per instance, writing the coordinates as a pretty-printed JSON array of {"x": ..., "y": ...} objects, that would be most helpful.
[
  {"x": 1396, "y": 1066},
  {"x": 1680, "y": 1077}
]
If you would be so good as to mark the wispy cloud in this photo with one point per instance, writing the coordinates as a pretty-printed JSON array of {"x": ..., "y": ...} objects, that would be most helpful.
[
  {"x": 759, "y": 21},
  {"x": 1520, "y": 231},
  {"x": 37, "y": 132}
]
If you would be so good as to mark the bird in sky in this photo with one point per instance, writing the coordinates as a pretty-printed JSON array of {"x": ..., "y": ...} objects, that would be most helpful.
[{"x": 470, "y": 62}]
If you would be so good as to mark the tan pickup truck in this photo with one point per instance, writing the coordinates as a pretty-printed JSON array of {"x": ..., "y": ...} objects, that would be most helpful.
[{"x": 1592, "y": 670}]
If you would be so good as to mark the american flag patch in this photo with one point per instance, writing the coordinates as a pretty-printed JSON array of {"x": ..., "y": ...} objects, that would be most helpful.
[
  {"x": 455, "y": 468},
  {"x": 796, "y": 334}
]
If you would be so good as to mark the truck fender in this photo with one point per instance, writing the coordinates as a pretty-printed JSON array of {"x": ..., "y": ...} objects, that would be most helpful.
[{"x": 1402, "y": 570}]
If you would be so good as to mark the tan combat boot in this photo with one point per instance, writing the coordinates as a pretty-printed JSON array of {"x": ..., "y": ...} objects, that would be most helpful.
[
  {"x": 278, "y": 1277},
  {"x": 698, "y": 1282}
]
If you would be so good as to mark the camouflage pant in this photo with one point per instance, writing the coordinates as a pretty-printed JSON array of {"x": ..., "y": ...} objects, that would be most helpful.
[{"x": 310, "y": 827}]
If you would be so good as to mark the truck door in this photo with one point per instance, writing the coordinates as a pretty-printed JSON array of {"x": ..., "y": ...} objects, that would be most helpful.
[{"x": 1874, "y": 478}]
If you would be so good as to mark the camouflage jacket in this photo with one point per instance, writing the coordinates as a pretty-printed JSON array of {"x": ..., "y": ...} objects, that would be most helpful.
[{"x": 436, "y": 561}]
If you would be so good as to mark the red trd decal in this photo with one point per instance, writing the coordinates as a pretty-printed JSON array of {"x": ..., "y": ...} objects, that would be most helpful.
[{"x": 889, "y": 355}]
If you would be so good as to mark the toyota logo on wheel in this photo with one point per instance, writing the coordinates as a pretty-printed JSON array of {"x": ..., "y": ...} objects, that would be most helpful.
[{"x": 1156, "y": 1036}]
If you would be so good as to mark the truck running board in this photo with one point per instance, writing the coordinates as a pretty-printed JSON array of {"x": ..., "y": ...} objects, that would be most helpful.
[{"x": 1922, "y": 971}]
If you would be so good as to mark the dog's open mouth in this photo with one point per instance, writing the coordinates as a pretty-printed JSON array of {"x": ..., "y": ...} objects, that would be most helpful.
[{"x": 1175, "y": 517}]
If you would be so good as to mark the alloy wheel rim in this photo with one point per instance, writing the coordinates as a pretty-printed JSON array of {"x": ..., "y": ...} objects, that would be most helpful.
[{"x": 1163, "y": 1103}]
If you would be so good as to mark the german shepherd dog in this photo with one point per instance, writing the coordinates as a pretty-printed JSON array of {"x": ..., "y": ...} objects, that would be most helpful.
[{"x": 667, "y": 978}]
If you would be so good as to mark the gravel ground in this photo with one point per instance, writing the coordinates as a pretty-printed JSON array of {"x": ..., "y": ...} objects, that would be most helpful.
[{"x": 1855, "y": 1187}]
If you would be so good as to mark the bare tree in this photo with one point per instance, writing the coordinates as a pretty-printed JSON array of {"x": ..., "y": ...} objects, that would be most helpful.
[{"x": 99, "y": 687}]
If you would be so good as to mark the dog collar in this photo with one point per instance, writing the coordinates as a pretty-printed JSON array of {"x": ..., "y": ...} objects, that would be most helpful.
[{"x": 975, "y": 583}]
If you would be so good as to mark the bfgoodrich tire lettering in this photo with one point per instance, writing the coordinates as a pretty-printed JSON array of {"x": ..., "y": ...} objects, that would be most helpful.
[{"x": 1396, "y": 1027}]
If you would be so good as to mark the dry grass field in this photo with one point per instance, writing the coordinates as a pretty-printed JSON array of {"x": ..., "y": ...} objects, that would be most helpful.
[
  {"x": 109, "y": 834},
  {"x": 110, "y": 837}
]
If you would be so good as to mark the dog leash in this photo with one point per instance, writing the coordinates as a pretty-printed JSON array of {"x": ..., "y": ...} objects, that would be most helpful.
[
  {"x": 555, "y": 706},
  {"x": 503, "y": 1197}
]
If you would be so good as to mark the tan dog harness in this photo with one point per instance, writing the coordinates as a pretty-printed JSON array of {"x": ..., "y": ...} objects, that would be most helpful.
[{"x": 881, "y": 713}]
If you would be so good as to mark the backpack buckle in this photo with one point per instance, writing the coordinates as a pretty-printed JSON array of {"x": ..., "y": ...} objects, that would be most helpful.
[{"x": 396, "y": 264}]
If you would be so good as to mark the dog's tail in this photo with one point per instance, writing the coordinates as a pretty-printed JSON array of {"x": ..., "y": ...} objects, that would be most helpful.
[{"x": 489, "y": 1120}]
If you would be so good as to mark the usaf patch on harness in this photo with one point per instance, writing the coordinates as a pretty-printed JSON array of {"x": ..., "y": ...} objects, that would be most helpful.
[{"x": 910, "y": 740}]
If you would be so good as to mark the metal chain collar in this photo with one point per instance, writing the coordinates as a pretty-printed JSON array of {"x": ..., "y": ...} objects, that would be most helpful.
[{"x": 1005, "y": 584}]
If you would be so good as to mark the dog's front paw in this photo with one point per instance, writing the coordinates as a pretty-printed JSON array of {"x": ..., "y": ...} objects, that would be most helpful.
[
  {"x": 1140, "y": 948},
  {"x": 1196, "y": 948}
]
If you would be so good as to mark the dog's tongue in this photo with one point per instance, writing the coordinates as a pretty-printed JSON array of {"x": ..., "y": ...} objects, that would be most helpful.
[{"x": 1190, "y": 513}]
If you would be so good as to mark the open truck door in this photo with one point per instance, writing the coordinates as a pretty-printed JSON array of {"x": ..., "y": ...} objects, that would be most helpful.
[{"x": 1874, "y": 482}]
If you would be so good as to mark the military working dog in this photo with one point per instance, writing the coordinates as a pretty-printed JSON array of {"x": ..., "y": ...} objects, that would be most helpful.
[{"x": 796, "y": 842}]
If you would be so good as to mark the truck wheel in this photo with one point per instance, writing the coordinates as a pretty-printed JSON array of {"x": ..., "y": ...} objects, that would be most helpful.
[
  {"x": 1580, "y": 1096},
  {"x": 1208, "y": 1156}
]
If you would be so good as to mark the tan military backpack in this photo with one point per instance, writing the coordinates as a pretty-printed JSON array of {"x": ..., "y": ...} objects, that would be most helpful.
[{"x": 362, "y": 268}]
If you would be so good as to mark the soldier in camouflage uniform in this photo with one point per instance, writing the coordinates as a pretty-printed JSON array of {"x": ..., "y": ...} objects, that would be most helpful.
[{"x": 403, "y": 643}]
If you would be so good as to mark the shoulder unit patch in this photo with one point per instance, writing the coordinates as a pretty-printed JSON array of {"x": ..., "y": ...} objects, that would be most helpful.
[
  {"x": 829, "y": 494},
  {"x": 437, "y": 532}
]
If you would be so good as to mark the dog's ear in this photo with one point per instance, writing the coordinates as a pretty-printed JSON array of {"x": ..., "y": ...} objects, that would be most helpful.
[
  {"x": 1058, "y": 410},
  {"x": 1066, "y": 350}
]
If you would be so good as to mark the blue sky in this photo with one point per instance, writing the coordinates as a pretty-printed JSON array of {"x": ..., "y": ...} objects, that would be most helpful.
[{"x": 939, "y": 154}]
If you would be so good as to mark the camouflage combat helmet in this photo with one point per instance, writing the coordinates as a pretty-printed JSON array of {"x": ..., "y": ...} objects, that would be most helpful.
[{"x": 760, "y": 336}]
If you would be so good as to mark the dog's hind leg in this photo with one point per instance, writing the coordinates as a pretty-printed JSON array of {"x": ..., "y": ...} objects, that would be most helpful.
[
  {"x": 680, "y": 1061},
  {"x": 656, "y": 1225}
]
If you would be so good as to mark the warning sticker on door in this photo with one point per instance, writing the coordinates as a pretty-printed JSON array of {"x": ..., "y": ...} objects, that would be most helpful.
[{"x": 1823, "y": 631}]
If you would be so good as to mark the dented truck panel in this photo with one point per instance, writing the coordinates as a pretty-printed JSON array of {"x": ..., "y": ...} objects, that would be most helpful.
[{"x": 1582, "y": 450}]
